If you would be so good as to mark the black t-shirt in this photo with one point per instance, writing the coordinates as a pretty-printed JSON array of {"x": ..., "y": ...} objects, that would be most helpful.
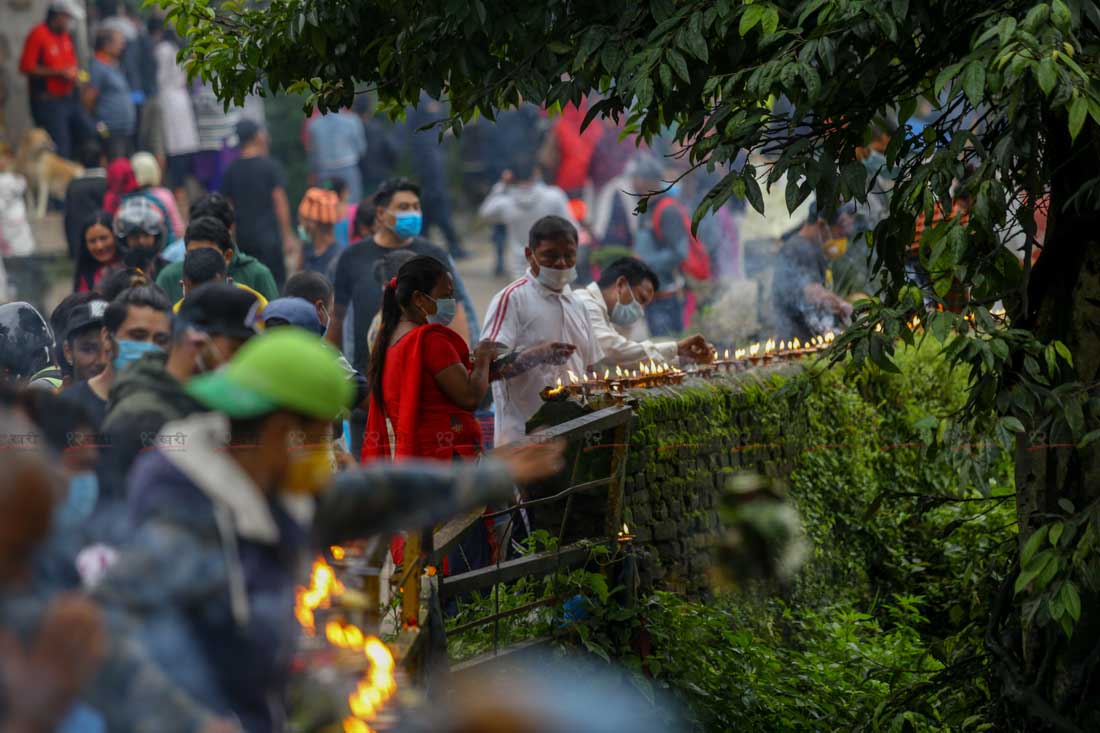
[
  {"x": 82, "y": 394},
  {"x": 355, "y": 284},
  {"x": 249, "y": 183}
]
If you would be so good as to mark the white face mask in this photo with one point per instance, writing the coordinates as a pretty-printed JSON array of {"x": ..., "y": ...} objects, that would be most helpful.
[
  {"x": 624, "y": 314},
  {"x": 556, "y": 279}
]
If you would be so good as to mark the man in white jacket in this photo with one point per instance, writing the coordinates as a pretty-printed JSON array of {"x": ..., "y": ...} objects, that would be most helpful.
[
  {"x": 517, "y": 201},
  {"x": 617, "y": 302}
]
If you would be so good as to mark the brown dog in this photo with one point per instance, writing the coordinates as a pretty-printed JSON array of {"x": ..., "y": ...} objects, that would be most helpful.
[{"x": 47, "y": 173}]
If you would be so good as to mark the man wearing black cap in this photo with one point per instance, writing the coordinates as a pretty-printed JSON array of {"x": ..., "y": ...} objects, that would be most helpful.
[
  {"x": 256, "y": 184},
  {"x": 213, "y": 322},
  {"x": 82, "y": 344}
]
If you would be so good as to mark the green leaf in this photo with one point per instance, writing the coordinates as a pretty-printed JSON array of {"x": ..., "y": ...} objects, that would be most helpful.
[
  {"x": 1066, "y": 505},
  {"x": 770, "y": 20},
  {"x": 1013, "y": 424},
  {"x": 1056, "y": 531},
  {"x": 1060, "y": 15},
  {"x": 1063, "y": 351},
  {"x": 1071, "y": 599},
  {"x": 751, "y": 16},
  {"x": 1034, "y": 542},
  {"x": 944, "y": 77},
  {"x": 679, "y": 63},
  {"x": 1046, "y": 75},
  {"x": 753, "y": 194},
  {"x": 973, "y": 82},
  {"x": 1089, "y": 439},
  {"x": 1078, "y": 108}
]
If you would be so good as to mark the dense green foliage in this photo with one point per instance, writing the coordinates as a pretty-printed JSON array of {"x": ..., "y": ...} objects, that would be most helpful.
[
  {"x": 1015, "y": 85},
  {"x": 883, "y": 629}
]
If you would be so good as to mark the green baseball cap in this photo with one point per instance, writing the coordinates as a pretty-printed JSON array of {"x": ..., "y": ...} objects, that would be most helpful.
[{"x": 286, "y": 368}]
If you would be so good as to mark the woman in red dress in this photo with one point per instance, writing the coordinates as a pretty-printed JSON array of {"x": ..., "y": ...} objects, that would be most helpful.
[{"x": 424, "y": 382}]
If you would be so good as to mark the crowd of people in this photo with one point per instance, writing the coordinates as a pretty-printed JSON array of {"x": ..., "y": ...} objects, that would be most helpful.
[{"x": 237, "y": 377}]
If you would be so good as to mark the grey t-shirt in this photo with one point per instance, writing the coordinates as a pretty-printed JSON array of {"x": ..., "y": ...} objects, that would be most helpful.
[{"x": 113, "y": 106}]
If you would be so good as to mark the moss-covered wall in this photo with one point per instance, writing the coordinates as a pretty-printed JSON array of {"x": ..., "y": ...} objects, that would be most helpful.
[{"x": 686, "y": 442}]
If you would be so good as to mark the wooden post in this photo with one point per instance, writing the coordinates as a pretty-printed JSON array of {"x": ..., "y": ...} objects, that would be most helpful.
[
  {"x": 410, "y": 589},
  {"x": 621, "y": 441}
]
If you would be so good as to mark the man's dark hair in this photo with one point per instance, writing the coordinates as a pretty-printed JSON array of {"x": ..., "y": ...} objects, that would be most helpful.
[
  {"x": 311, "y": 286},
  {"x": 155, "y": 24},
  {"x": 215, "y": 205},
  {"x": 633, "y": 269},
  {"x": 364, "y": 217},
  {"x": 202, "y": 266},
  {"x": 209, "y": 229},
  {"x": 143, "y": 296},
  {"x": 551, "y": 229},
  {"x": 391, "y": 264},
  {"x": 103, "y": 37},
  {"x": 120, "y": 280},
  {"x": 90, "y": 154},
  {"x": 384, "y": 195}
]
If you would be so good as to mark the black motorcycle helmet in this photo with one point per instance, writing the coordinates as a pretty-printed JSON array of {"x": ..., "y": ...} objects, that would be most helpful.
[
  {"x": 25, "y": 341},
  {"x": 139, "y": 214}
]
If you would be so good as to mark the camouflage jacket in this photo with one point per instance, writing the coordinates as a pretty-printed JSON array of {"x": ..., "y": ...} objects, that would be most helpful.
[{"x": 211, "y": 572}]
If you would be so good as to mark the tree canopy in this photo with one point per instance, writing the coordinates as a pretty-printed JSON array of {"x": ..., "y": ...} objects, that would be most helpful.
[{"x": 791, "y": 89}]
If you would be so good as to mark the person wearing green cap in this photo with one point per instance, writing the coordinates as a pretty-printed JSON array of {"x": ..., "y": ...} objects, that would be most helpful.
[{"x": 217, "y": 554}]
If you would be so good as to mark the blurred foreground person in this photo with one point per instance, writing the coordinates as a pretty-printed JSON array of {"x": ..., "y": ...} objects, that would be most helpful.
[
  {"x": 59, "y": 670},
  {"x": 545, "y": 694},
  {"x": 213, "y": 568}
]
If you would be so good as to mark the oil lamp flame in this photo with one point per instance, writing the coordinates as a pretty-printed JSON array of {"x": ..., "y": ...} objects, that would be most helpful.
[{"x": 572, "y": 377}]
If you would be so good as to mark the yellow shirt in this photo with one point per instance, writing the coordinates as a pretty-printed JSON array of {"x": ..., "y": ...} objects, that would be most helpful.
[{"x": 262, "y": 299}]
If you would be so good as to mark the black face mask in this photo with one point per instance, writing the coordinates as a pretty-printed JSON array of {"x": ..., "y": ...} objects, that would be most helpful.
[{"x": 140, "y": 257}]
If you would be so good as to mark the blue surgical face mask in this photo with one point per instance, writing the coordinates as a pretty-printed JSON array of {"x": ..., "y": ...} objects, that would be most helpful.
[
  {"x": 444, "y": 311},
  {"x": 624, "y": 314},
  {"x": 131, "y": 351},
  {"x": 407, "y": 224},
  {"x": 80, "y": 501}
]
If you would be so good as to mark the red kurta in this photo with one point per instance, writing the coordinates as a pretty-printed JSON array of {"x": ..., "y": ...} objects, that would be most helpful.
[{"x": 426, "y": 422}]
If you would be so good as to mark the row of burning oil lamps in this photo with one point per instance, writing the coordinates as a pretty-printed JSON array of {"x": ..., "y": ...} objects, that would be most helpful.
[
  {"x": 379, "y": 682},
  {"x": 652, "y": 374}
]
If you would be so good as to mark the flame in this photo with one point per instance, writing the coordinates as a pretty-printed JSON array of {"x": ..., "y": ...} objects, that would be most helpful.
[
  {"x": 337, "y": 552},
  {"x": 795, "y": 343},
  {"x": 606, "y": 374},
  {"x": 377, "y": 685},
  {"x": 726, "y": 355},
  {"x": 323, "y": 585},
  {"x": 769, "y": 346},
  {"x": 782, "y": 345},
  {"x": 652, "y": 366},
  {"x": 829, "y": 337},
  {"x": 754, "y": 349},
  {"x": 572, "y": 377},
  {"x": 739, "y": 354}
]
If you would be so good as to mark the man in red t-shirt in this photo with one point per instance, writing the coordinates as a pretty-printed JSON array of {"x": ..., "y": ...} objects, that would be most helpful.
[{"x": 49, "y": 61}]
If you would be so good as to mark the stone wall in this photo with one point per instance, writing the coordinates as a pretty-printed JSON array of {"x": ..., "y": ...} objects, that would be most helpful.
[{"x": 686, "y": 443}]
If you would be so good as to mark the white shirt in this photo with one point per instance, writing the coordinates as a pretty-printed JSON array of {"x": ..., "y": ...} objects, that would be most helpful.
[
  {"x": 523, "y": 314},
  {"x": 618, "y": 348},
  {"x": 518, "y": 207}
]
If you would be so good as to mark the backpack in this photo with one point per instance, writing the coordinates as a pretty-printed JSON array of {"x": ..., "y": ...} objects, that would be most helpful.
[{"x": 697, "y": 263}]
